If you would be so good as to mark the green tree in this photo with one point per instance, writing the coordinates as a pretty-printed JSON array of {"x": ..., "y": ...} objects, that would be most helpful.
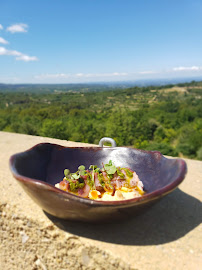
[{"x": 54, "y": 129}]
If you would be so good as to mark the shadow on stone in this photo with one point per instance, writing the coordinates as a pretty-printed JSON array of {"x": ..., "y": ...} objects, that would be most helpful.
[{"x": 168, "y": 220}]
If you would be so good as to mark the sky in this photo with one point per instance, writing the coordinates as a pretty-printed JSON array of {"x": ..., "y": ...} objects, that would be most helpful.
[{"x": 76, "y": 41}]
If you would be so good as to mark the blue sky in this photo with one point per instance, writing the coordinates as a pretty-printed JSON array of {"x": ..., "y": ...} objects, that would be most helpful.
[{"x": 69, "y": 41}]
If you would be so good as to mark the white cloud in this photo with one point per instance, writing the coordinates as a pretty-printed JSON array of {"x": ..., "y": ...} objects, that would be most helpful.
[
  {"x": 3, "y": 41},
  {"x": 1, "y": 26},
  {"x": 26, "y": 58},
  {"x": 193, "y": 68},
  {"x": 115, "y": 76},
  {"x": 95, "y": 75},
  {"x": 9, "y": 79},
  {"x": 19, "y": 55},
  {"x": 21, "y": 27},
  {"x": 52, "y": 76},
  {"x": 148, "y": 72},
  {"x": 4, "y": 51},
  {"x": 17, "y": 28},
  {"x": 80, "y": 75}
]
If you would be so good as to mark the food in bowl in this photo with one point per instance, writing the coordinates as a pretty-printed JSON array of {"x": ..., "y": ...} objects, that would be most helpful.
[{"x": 110, "y": 183}]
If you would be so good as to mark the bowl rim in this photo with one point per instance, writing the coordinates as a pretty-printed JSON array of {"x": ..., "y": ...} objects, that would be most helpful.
[{"x": 137, "y": 200}]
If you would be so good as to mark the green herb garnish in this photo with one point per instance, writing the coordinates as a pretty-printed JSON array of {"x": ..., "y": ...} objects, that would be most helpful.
[
  {"x": 100, "y": 178},
  {"x": 110, "y": 168},
  {"x": 92, "y": 176},
  {"x": 81, "y": 170},
  {"x": 90, "y": 181},
  {"x": 75, "y": 176},
  {"x": 122, "y": 175},
  {"x": 66, "y": 173},
  {"x": 128, "y": 172},
  {"x": 74, "y": 186}
]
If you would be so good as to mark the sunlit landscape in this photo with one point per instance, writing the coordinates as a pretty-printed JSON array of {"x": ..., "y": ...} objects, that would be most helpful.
[{"x": 165, "y": 118}]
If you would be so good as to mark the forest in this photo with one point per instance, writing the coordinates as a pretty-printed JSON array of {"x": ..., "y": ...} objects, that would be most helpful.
[{"x": 164, "y": 118}]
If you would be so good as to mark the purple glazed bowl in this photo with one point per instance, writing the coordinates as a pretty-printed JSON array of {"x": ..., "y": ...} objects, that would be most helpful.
[{"x": 41, "y": 167}]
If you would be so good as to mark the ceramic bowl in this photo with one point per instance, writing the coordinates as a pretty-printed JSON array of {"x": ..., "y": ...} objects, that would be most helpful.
[{"x": 41, "y": 167}]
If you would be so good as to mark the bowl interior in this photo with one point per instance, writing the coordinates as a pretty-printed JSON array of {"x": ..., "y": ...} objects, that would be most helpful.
[{"x": 46, "y": 162}]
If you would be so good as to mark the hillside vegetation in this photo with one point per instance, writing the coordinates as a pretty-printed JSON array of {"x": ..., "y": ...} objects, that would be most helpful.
[{"x": 168, "y": 118}]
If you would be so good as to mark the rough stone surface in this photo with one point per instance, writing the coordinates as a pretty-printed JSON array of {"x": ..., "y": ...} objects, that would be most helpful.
[{"x": 168, "y": 236}]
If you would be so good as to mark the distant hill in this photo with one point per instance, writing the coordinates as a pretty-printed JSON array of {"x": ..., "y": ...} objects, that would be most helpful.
[
  {"x": 92, "y": 87},
  {"x": 50, "y": 88}
]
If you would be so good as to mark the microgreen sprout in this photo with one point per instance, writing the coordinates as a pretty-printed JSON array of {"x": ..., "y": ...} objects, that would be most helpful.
[
  {"x": 81, "y": 170},
  {"x": 75, "y": 176},
  {"x": 66, "y": 173},
  {"x": 94, "y": 169},
  {"x": 110, "y": 168}
]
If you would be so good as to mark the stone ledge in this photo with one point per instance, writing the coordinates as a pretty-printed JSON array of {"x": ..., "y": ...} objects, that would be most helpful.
[{"x": 166, "y": 237}]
